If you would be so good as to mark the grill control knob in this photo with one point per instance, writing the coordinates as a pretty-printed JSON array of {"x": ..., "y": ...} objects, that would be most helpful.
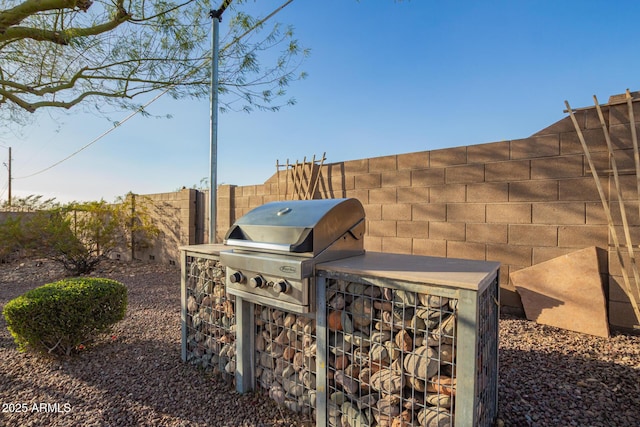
[
  {"x": 281, "y": 286},
  {"x": 256, "y": 282},
  {"x": 236, "y": 277}
]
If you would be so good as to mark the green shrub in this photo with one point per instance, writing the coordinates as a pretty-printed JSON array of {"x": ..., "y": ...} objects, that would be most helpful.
[
  {"x": 78, "y": 235},
  {"x": 11, "y": 236},
  {"x": 58, "y": 317}
]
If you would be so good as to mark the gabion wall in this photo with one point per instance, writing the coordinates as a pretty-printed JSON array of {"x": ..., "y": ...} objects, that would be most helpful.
[
  {"x": 210, "y": 317},
  {"x": 285, "y": 362},
  {"x": 391, "y": 357}
]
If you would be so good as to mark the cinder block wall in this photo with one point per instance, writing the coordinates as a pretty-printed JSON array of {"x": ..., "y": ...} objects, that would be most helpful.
[
  {"x": 519, "y": 202},
  {"x": 176, "y": 216}
]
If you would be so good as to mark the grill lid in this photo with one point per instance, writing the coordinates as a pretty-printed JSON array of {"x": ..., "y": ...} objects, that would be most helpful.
[{"x": 299, "y": 226}]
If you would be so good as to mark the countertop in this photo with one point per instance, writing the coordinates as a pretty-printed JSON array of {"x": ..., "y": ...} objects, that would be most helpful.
[
  {"x": 206, "y": 249},
  {"x": 460, "y": 273}
]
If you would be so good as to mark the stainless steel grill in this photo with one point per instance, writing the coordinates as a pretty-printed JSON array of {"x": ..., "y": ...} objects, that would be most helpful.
[{"x": 276, "y": 246}]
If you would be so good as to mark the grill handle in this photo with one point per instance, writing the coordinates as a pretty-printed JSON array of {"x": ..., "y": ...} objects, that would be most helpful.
[{"x": 259, "y": 245}]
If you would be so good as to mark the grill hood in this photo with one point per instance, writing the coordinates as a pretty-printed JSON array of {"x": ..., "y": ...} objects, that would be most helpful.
[{"x": 301, "y": 227}]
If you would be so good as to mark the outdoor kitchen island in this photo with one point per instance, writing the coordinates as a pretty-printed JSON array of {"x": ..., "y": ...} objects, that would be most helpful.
[{"x": 394, "y": 339}]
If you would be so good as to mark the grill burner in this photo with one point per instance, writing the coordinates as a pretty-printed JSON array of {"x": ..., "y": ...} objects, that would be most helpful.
[{"x": 277, "y": 245}]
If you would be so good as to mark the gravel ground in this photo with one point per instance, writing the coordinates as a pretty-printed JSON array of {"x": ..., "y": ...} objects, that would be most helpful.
[{"x": 134, "y": 377}]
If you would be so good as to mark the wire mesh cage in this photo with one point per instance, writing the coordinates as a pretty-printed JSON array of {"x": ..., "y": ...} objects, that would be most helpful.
[
  {"x": 486, "y": 381},
  {"x": 208, "y": 316},
  {"x": 391, "y": 356},
  {"x": 407, "y": 354},
  {"x": 285, "y": 357}
]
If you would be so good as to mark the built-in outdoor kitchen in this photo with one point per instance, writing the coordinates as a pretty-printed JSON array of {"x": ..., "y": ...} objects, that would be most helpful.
[{"x": 292, "y": 305}]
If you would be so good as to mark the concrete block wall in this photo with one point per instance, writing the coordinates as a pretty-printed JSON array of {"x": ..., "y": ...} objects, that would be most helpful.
[
  {"x": 175, "y": 214},
  {"x": 519, "y": 202},
  {"x": 509, "y": 201}
]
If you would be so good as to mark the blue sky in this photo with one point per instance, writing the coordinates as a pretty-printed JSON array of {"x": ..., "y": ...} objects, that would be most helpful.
[{"x": 385, "y": 78}]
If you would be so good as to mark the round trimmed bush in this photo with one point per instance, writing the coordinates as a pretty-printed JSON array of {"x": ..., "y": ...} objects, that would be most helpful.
[{"x": 57, "y": 317}]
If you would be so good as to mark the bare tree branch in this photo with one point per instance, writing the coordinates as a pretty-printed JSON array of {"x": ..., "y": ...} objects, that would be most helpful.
[
  {"x": 60, "y": 53},
  {"x": 64, "y": 37},
  {"x": 17, "y": 14}
]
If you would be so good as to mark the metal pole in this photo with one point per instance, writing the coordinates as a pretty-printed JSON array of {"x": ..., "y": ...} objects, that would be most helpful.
[
  {"x": 9, "y": 167},
  {"x": 132, "y": 224},
  {"x": 213, "y": 156}
]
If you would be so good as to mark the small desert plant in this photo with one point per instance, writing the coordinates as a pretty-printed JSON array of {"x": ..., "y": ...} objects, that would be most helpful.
[
  {"x": 136, "y": 222},
  {"x": 31, "y": 203},
  {"x": 58, "y": 317},
  {"x": 79, "y": 235},
  {"x": 11, "y": 236},
  {"x": 76, "y": 235}
]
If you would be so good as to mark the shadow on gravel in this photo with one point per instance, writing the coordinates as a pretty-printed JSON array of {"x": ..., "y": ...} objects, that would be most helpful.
[
  {"x": 6, "y": 340},
  {"x": 536, "y": 388},
  {"x": 147, "y": 384},
  {"x": 42, "y": 392},
  {"x": 165, "y": 293},
  {"x": 551, "y": 389}
]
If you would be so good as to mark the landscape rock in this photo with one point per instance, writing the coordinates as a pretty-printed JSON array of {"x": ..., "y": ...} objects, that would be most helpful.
[
  {"x": 422, "y": 363},
  {"x": 433, "y": 417},
  {"x": 387, "y": 381}
]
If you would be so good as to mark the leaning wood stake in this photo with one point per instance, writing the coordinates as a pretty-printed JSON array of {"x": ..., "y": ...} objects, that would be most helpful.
[
  {"x": 296, "y": 181},
  {"x": 623, "y": 213},
  {"x": 308, "y": 179},
  {"x": 607, "y": 211},
  {"x": 286, "y": 182},
  {"x": 634, "y": 140},
  {"x": 278, "y": 177},
  {"x": 315, "y": 184}
]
